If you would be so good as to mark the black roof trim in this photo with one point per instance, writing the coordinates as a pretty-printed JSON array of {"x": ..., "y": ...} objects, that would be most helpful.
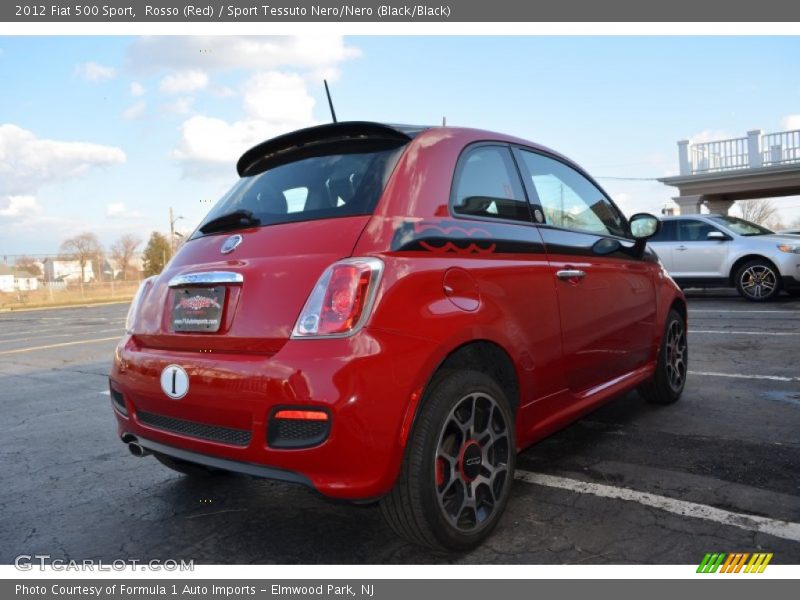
[{"x": 328, "y": 133}]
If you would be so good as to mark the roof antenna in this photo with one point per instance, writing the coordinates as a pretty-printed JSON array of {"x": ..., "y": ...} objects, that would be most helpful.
[{"x": 330, "y": 102}]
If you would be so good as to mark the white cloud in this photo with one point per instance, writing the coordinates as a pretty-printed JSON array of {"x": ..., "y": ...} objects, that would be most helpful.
[
  {"x": 710, "y": 135},
  {"x": 137, "y": 89},
  {"x": 181, "y": 106},
  {"x": 19, "y": 206},
  {"x": 119, "y": 211},
  {"x": 134, "y": 111},
  {"x": 184, "y": 82},
  {"x": 790, "y": 123},
  {"x": 209, "y": 145},
  {"x": 274, "y": 103},
  {"x": 28, "y": 162},
  {"x": 278, "y": 98},
  {"x": 92, "y": 71},
  {"x": 212, "y": 53}
]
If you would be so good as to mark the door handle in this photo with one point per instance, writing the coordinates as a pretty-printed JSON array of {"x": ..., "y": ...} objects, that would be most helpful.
[
  {"x": 681, "y": 248},
  {"x": 571, "y": 275}
]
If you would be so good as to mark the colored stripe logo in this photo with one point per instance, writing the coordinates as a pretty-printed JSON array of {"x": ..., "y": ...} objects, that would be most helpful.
[{"x": 736, "y": 562}]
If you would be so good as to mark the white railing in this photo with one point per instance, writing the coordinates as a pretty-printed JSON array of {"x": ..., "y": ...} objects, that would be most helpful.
[
  {"x": 780, "y": 148},
  {"x": 752, "y": 152},
  {"x": 722, "y": 155}
]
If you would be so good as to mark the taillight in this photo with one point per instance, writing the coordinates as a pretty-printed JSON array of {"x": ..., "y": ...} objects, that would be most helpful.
[
  {"x": 137, "y": 299},
  {"x": 341, "y": 300}
]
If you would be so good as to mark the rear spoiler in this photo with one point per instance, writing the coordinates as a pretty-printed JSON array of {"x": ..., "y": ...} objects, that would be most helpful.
[{"x": 312, "y": 140}]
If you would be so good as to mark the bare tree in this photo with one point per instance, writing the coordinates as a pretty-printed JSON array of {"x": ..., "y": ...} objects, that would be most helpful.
[
  {"x": 123, "y": 250},
  {"x": 757, "y": 211},
  {"x": 84, "y": 248},
  {"x": 29, "y": 264}
]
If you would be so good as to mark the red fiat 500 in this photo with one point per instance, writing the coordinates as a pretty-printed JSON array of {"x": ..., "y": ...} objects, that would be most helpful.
[{"x": 391, "y": 313}]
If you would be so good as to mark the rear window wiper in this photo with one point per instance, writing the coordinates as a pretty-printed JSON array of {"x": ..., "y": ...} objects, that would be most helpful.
[{"x": 232, "y": 220}]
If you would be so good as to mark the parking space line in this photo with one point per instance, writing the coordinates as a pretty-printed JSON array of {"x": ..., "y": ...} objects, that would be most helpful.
[
  {"x": 722, "y": 331},
  {"x": 61, "y": 345},
  {"x": 741, "y": 376},
  {"x": 52, "y": 335},
  {"x": 774, "y": 527},
  {"x": 777, "y": 312}
]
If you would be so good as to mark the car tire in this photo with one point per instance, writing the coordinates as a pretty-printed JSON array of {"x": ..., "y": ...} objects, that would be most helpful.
[
  {"x": 672, "y": 365},
  {"x": 758, "y": 281},
  {"x": 458, "y": 468},
  {"x": 187, "y": 468}
]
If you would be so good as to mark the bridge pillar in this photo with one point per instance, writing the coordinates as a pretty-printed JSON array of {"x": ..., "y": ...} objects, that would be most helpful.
[
  {"x": 718, "y": 207},
  {"x": 689, "y": 205}
]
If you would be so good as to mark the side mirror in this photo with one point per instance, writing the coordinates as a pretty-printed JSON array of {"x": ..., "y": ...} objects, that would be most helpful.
[
  {"x": 644, "y": 226},
  {"x": 717, "y": 236}
]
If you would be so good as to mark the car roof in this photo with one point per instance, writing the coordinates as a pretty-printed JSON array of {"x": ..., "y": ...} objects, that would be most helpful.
[{"x": 253, "y": 159}]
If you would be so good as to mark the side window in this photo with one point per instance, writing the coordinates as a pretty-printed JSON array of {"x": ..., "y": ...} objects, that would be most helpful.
[
  {"x": 570, "y": 200},
  {"x": 668, "y": 233},
  {"x": 295, "y": 199},
  {"x": 691, "y": 230},
  {"x": 488, "y": 185}
]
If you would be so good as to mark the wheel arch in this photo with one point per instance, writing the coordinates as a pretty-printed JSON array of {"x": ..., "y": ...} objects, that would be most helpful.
[
  {"x": 480, "y": 355},
  {"x": 679, "y": 305},
  {"x": 745, "y": 259}
]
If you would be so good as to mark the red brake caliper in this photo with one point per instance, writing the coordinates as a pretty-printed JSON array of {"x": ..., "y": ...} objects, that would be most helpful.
[{"x": 439, "y": 472}]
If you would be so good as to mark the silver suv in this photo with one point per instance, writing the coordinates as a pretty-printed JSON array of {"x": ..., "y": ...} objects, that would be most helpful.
[{"x": 715, "y": 250}]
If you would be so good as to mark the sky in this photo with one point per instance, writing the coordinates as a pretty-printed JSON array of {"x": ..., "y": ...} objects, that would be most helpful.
[{"x": 105, "y": 134}]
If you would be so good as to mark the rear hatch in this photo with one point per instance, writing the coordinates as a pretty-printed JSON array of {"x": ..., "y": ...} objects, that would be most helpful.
[{"x": 242, "y": 278}]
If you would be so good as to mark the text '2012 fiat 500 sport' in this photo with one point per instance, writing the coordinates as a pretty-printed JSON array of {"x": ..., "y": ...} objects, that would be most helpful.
[{"x": 390, "y": 313}]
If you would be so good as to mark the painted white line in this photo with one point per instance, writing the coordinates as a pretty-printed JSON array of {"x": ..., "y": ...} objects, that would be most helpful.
[
  {"x": 61, "y": 345},
  {"x": 724, "y": 332},
  {"x": 105, "y": 393},
  {"x": 782, "y": 529},
  {"x": 52, "y": 335},
  {"x": 741, "y": 376},
  {"x": 777, "y": 312}
]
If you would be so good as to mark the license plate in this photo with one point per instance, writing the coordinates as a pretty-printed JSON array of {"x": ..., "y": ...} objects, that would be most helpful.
[{"x": 198, "y": 308}]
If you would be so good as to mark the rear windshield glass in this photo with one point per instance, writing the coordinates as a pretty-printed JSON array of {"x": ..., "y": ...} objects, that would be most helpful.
[{"x": 319, "y": 187}]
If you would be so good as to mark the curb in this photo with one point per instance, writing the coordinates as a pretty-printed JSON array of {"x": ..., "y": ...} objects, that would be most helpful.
[{"x": 57, "y": 306}]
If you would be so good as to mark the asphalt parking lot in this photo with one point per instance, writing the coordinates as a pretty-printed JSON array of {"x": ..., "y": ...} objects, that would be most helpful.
[{"x": 630, "y": 483}]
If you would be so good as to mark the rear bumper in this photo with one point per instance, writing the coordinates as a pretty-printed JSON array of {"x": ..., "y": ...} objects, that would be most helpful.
[
  {"x": 364, "y": 383},
  {"x": 234, "y": 466}
]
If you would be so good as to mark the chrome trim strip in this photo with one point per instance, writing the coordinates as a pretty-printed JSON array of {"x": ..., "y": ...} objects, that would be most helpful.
[{"x": 206, "y": 278}]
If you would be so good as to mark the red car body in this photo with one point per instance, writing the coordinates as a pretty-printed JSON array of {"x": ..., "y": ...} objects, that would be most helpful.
[{"x": 449, "y": 282}]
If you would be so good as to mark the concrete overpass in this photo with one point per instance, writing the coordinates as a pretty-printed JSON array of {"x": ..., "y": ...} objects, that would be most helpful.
[{"x": 717, "y": 174}]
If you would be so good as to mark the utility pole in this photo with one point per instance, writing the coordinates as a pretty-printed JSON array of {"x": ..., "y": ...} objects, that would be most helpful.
[{"x": 172, "y": 220}]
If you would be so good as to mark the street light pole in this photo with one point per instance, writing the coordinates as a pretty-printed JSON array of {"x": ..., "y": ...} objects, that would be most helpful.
[{"x": 172, "y": 220}]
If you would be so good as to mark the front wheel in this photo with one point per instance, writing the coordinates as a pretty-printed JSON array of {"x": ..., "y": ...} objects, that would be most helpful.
[
  {"x": 672, "y": 365},
  {"x": 456, "y": 476},
  {"x": 757, "y": 281}
]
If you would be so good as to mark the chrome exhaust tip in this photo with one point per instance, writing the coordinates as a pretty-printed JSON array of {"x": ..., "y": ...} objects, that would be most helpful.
[{"x": 137, "y": 450}]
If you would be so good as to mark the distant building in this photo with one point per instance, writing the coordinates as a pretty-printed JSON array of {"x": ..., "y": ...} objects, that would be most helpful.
[
  {"x": 25, "y": 281},
  {"x": 57, "y": 269},
  {"x": 6, "y": 279}
]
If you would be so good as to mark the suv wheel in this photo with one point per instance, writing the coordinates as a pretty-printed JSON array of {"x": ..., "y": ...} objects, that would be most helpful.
[
  {"x": 187, "y": 468},
  {"x": 456, "y": 476},
  {"x": 672, "y": 367},
  {"x": 758, "y": 281}
]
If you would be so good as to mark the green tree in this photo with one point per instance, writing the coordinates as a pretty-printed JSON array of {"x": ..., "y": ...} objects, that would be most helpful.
[{"x": 156, "y": 254}]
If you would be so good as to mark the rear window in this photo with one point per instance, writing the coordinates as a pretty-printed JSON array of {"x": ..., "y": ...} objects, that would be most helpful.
[{"x": 318, "y": 187}]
